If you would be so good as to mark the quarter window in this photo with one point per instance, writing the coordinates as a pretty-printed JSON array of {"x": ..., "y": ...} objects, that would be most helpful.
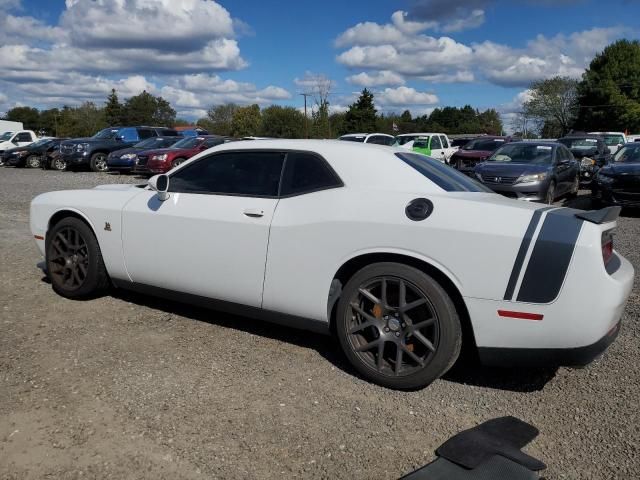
[
  {"x": 146, "y": 133},
  {"x": 435, "y": 143},
  {"x": 445, "y": 142},
  {"x": 305, "y": 172},
  {"x": 243, "y": 173}
]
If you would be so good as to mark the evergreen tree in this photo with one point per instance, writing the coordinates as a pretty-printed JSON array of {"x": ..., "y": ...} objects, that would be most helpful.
[
  {"x": 361, "y": 116},
  {"x": 113, "y": 109}
]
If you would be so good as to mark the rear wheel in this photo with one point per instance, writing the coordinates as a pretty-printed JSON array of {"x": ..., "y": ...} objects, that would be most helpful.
[
  {"x": 74, "y": 261},
  {"x": 98, "y": 162},
  {"x": 397, "y": 326},
  {"x": 33, "y": 161}
]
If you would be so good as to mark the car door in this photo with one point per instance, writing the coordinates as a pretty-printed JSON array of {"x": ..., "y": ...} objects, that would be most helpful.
[
  {"x": 448, "y": 151},
  {"x": 437, "y": 151},
  {"x": 564, "y": 168},
  {"x": 210, "y": 237}
]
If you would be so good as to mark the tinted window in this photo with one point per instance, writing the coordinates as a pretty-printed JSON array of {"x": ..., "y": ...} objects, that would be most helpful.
[
  {"x": 232, "y": 173},
  {"x": 353, "y": 139},
  {"x": 305, "y": 172},
  {"x": 485, "y": 144},
  {"x": 129, "y": 134},
  {"x": 435, "y": 143},
  {"x": 442, "y": 175},
  {"x": 460, "y": 142},
  {"x": 628, "y": 154},
  {"x": 146, "y": 133},
  {"x": 23, "y": 137},
  {"x": 529, "y": 153},
  {"x": 167, "y": 132},
  {"x": 444, "y": 141},
  {"x": 379, "y": 140},
  {"x": 402, "y": 139}
]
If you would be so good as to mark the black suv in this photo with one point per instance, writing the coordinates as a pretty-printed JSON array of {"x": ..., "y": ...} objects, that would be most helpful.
[
  {"x": 93, "y": 151},
  {"x": 591, "y": 151},
  {"x": 34, "y": 155}
]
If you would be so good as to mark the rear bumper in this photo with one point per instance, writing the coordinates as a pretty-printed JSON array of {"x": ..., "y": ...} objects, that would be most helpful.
[{"x": 548, "y": 357}]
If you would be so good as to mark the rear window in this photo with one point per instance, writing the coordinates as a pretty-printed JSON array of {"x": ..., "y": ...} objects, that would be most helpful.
[{"x": 442, "y": 175}]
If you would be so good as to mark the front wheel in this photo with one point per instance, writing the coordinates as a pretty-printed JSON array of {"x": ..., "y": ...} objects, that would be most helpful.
[
  {"x": 58, "y": 164},
  {"x": 177, "y": 161},
  {"x": 33, "y": 161},
  {"x": 98, "y": 162},
  {"x": 397, "y": 326},
  {"x": 551, "y": 193},
  {"x": 74, "y": 260}
]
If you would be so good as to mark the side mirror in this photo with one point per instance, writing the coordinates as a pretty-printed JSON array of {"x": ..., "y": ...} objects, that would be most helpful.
[{"x": 160, "y": 184}]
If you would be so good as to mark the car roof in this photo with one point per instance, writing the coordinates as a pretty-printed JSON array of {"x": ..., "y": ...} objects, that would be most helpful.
[
  {"x": 364, "y": 134},
  {"x": 584, "y": 135},
  {"x": 420, "y": 134},
  {"x": 533, "y": 142}
]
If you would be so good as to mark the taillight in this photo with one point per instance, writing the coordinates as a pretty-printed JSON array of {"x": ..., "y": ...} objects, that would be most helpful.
[{"x": 607, "y": 246}]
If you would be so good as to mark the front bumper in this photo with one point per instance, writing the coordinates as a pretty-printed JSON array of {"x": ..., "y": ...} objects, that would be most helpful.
[
  {"x": 530, "y": 192},
  {"x": 15, "y": 160},
  {"x": 117, "y": 163}
]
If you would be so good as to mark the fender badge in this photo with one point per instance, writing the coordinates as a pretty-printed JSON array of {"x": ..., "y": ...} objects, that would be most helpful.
[{"x": 107, "y": 226}]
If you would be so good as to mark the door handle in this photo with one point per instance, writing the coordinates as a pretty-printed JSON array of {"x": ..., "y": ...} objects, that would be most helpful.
[{"x": 254, "y": 212}]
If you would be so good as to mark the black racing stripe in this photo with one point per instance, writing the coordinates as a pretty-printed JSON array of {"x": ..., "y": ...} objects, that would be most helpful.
[
  {"x": 524, "y": 247},
  {"x": 550, "y": 257}
]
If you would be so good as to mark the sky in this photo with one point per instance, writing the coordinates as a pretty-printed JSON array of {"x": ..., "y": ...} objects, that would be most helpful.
[{"x": 412, "y": 54}]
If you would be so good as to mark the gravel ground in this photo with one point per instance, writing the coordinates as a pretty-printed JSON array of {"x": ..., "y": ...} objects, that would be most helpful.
[{"x": 129, "y": 386}]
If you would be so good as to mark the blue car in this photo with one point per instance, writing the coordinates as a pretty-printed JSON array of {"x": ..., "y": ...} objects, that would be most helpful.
[
  {"x": 532, "y": 171},
  {"x": 124, "y": 160}
]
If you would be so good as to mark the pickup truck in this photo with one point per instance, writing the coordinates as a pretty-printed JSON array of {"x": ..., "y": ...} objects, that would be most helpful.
[
  {"x": 435, "y": 145},
  {"x": 92, "y": 152},
  {"x": 18, "y": 138}
]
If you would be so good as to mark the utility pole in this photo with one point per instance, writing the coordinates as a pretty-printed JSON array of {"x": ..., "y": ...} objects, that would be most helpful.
[{"x": 306, "y": 120}]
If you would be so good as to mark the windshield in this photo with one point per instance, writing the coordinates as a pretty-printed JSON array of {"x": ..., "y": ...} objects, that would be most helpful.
[
  {"x": 485, "y": 144},
  {"x": 447, "y": 178},
  {"x": 613, "y": 140},
  {"x": 460, "y": 142},
  {"x": 189, "y": 142},
  {"x": 6, "y": 136},
  {"x": 402, "y": 139},
  {"x": 579, "y": 143},
  {"x": 628, "y": 154},
  {"x": 353, "y": 139},
  {"x": 157, "y": 142},
  {"x": 107, "y": 133},
  {"x": 519, "y": 153}
]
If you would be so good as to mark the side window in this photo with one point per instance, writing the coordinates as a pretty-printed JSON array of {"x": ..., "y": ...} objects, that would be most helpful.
[
  {"x": 306, "y": 172},
  {"x": 23, "y": 137},
  {"x": 445, "y": 142},
  {"x": 232, "y": 173},
  {"x": 568, "y": 154},
  {"x": 129, "y": 134},
  {"x": 435, "y": 143},
  {"x": 376, "y": 139},
  {"x": 145, "y": 133},
  {"x": 389, "y": 141}
]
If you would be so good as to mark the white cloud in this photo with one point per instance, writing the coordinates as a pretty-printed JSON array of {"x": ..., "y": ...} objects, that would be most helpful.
[
  {"x": 384, "y": 77},
  {"x": 400, "y": 47},
  {"x": 404, "y": 96}
]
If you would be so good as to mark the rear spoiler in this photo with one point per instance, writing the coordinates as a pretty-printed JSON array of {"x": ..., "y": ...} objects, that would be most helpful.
[{"x": 599, "y": 217}]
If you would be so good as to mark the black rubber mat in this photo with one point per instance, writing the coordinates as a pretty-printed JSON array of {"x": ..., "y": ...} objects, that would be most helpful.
[{"x": 496, "y": 468}]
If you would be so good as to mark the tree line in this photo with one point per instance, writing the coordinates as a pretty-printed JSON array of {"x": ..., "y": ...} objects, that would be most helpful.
[{"x": 607, "y": 98}]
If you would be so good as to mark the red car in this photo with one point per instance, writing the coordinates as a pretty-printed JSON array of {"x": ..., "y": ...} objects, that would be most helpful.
[
  {"x": 474, "y": 152},
  {"x": 164, "y": 159}
]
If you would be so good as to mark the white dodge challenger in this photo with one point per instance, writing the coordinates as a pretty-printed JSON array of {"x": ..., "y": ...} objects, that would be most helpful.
[{"x": 403, "y": 258}]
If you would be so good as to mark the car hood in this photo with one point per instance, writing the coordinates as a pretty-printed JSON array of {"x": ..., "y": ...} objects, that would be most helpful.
[
  {"x": 160, "y": 151},
  {"x": 473, "y": 153},
  {"x": 510, "y": 169},
  {"x": 18, "y": 149},
  {"x": 622, "y": 169},
  {"x": 123, "y": 151},
  {"x": 118, "y": 187}
]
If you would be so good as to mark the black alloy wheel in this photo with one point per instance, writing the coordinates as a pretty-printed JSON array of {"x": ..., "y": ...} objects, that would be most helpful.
[
  {"x": 398, "y": 326},
  {"x": 74, "y": 261}
]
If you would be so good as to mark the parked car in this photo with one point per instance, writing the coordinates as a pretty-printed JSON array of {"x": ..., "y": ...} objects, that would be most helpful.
[
  {"x": 376, "y": 138},
  {"x": 618, "y": 183},
  {"x": 34, "y": 155},
  {"x": 20, "y": 138},
  {"x": 533, "y": 171},
  {"x": 476, "y": 151},
  {"x": 437, "y": 145},
  {"x": 124, "y": 160},
  {"x": 313, "y": 234},
  {"x": 164, "y": 159},
  {"x": 614, "y": 140},
  {"x": 591, "y": 151},
  {"x": 92, "y": 152}
]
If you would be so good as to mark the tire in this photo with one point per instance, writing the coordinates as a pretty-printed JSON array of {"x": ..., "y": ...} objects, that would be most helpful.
[
  {"x": 98, "y": 162},
  {"x": 58, "y": 164},
  {"x": 550, "y": 196},
  {"x": 177, "y": 162},
  {"x": 33, "y": 161},
  {"x": 74, "y": 260},
  {"x": 575, "y": 188},
  {"x": 362, "y": 325},
  {"x": 1, "y": 160}
]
